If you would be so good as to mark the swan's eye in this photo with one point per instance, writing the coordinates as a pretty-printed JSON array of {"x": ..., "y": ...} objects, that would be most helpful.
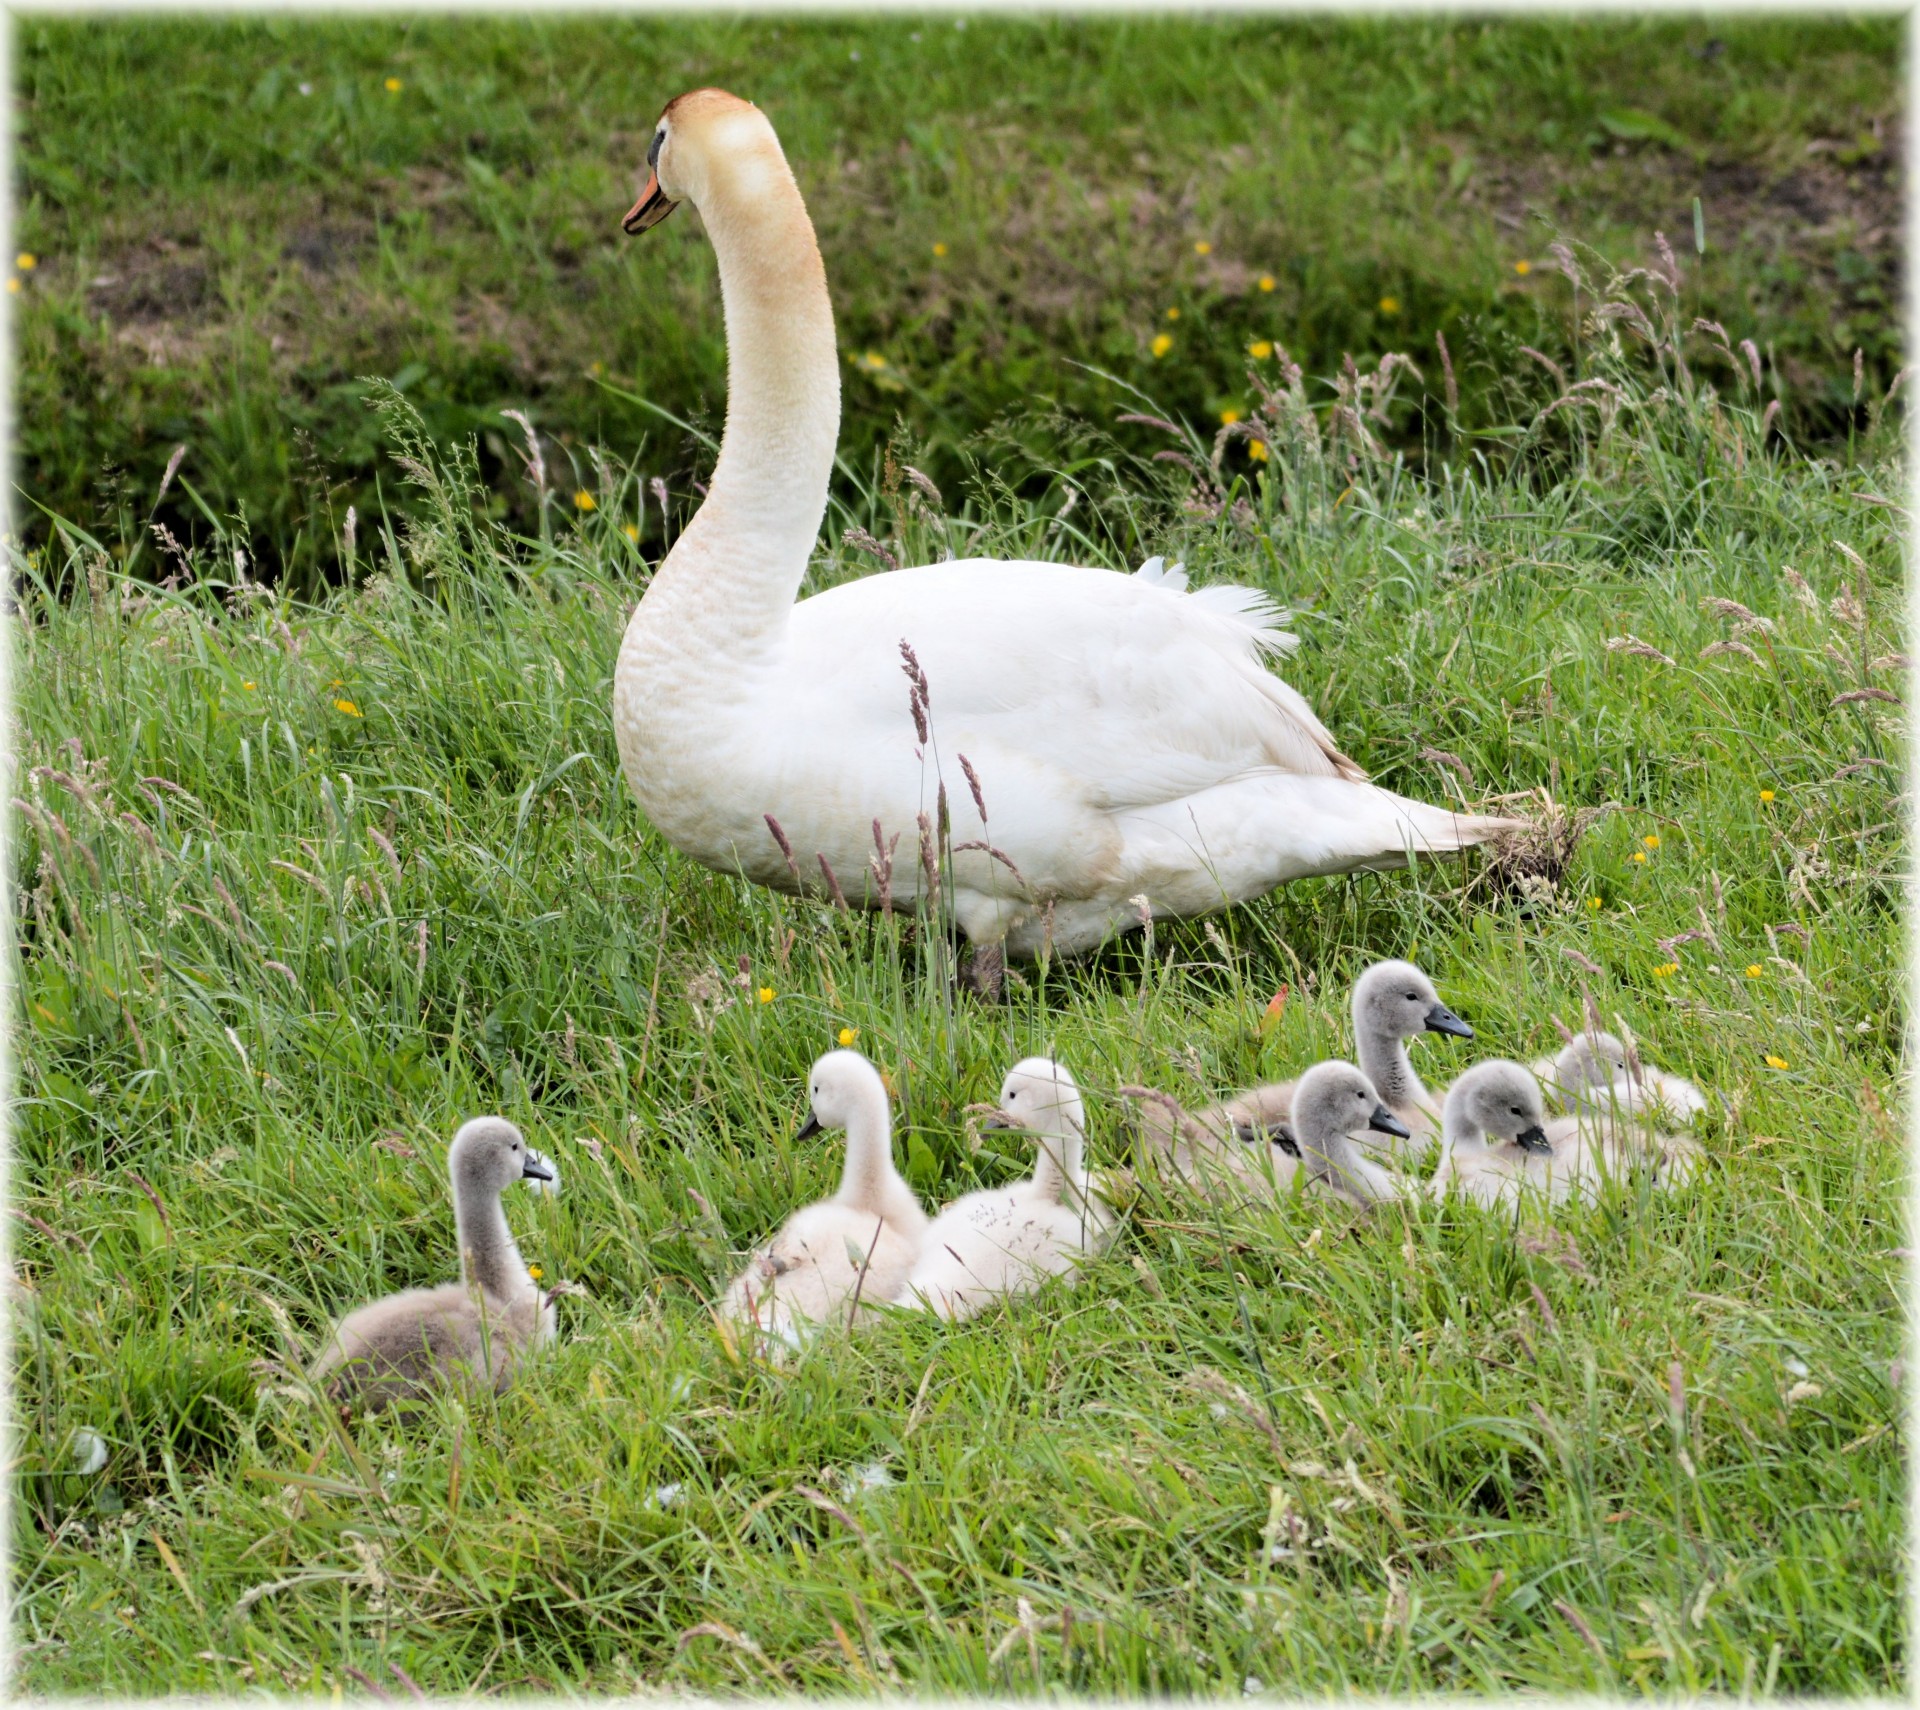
[{"x": 653, "y": 148}]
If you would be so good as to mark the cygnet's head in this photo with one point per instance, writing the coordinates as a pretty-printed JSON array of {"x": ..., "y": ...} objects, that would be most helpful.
[
  {"x": 489, "y": 1152},
  {"x": 1332, "y": 1100},
  {"x": 705, "y": 141},
  {"x": 1591, "y": 1060},
  {"x": 1395, "y": 1000},
  {"x": 1040, "y": 1095},
  {"x": 842, "y": 1084},
  {"x": 1493, "y": 1103}
]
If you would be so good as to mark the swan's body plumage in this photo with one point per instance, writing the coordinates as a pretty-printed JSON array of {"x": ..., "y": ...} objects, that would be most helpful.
[
  {"x": 1128, "y": 736},
  {"x": 837, "y": 1259},
  {"x": 1004, "y": 1241}
]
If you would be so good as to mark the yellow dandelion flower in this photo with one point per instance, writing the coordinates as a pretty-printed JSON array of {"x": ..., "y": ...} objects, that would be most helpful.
[
  {"x": 394, "y": 86},
  {"x": 348, "y": 708},
  {"x": 26, "y": 261},
  {"x": 847, "y": 1035},
  {"x": 1593, "y": 902},
  {"x": 1260, "y": 349},
  {"x": 1523, "y": 268},
  {"x": 585, "y": 501},
  {"x": 247, "y": 685},
  {"x": 874, "y": 360},
  {"x": 631, "y": 531},
  {"x": 1774, "y": 1062},
  {"x": 1754, "y": 970},
  {"x": 1651, "y": 840},
  {"x": 939, "y": 249},
  {"x": 1203, "y": 248},
  {"x": 1663, "y": 969},
  {"x": 1389, "y": 305},
  {"x": 1257, "y": 450},
  {"x": 766, "y": 994},
  {"x": 535, "y": 1272},
  {"x": 1640, "y": 855},
  {"x": 1162, "y": 343},
  {"x": 596, "y": 368},
  {"x": 1766, "y": 795},
  {"x": 1173, "y": 314},
  {"x": 1229, "y": 417},
  {"x": 1266, "y": 282},
  {"x": 13, "y": 282}
]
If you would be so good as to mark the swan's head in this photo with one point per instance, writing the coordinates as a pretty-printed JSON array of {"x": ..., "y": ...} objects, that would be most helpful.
[
  {"x": 489, "y": 1152},
  {"x": 1591, "y": 1060},
  {"x": 1041, "y": 1096},
  {"x": 843, "y": 1084},
  {"x": 1496, "y": 1101},
  {"x": 706, "y": 142},
  {"x": 1395, "y": 1000},
  {"x": 1334, "y": 1099}
]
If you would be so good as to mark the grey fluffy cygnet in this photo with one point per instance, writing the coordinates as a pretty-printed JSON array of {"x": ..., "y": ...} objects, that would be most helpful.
[
  {"x": 1596, "y": 1072},
  {"x": 481, "y": 1328},
  {"x": 1392, "y": 1003}
]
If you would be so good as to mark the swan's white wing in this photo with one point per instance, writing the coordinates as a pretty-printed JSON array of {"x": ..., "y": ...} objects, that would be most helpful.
[{"x": 1130, "y": 693}]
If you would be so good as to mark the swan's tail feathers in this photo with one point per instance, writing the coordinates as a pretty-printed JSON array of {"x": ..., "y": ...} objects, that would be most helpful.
[{"x": 1442, "y": 831}]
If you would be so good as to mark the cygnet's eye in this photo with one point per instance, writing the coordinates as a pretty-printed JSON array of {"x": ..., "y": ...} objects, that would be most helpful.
[
  {"x": 653, "y": 148},
  {"x": 1517, "y": 1111}
]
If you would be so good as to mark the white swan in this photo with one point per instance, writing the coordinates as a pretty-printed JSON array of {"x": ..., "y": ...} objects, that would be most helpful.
[
  {"x": 1127, "y": 737},
  {"x": 834, "y": 1260},
  {"x": 1008, "y": 1240},
  {"x": 1392, "y": 1003},
  {"x": 482, "y": 1327},
  {"x": 1499, "y": 1148}
]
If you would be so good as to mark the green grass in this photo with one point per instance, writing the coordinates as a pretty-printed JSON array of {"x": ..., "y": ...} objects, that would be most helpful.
[
  {"x": 223, "y": 258},
  {"x": 301, "y": 886}
]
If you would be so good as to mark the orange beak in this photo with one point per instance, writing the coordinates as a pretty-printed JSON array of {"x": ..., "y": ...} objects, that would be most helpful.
[{"x": 650, "y": 210}]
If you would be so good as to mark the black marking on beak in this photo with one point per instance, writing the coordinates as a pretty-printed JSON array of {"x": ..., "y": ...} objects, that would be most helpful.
[
  {"x": 997, "y": 1124},
  {"x": 810, "y": 1128},
  {"x": 534, "y": 1168},
  {"x": 1534, "y": 1140},
  {"x": 1387, "y": 1123},
  {"x": 1440, "y": 1019},
  {"x": 653, "y": 207}
]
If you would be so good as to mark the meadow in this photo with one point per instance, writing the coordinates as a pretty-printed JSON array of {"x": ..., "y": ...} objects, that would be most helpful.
[{"x": 305, "y": 875}]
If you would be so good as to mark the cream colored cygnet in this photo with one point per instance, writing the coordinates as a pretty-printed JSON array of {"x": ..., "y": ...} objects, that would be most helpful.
[
  {"x": 1006, "y": 1241},
  {"x": 838, "y": 1258}
]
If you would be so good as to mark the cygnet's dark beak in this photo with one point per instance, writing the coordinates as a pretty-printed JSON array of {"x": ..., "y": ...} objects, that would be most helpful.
[
  {"x": 811, "y": 1128},
  {"x": 532, "y": 1167},
  {"x": 1440, "y": 1019},
  {"x": 650, "y": 210},
  {"x": 1534, "y": 1140},
  {"x": 1387, "y": 1123},
  {"x": 997, "y": 1123}
]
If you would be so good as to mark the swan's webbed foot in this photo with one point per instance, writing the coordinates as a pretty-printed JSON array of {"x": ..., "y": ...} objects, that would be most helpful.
[{"x": 986, "y": 972}]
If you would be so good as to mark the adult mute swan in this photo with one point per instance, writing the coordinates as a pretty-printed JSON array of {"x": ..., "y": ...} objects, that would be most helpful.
[
  {"x": 1127, "y": 738},
  {"x": 484, "y": 1326}
]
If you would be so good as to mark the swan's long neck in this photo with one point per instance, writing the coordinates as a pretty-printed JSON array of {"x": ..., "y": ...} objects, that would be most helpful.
[
  {"x": 1330, "y": 1153},
  {"x": 1061, "y": 1164},
  {"x": 1459, "y": 1134},
  {"x": 728, "y": 585},
  {"x": 1384, "y": 1061},
  {"x": 870, "y": 1183},
  {"x": 488, "y": 1255}
]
